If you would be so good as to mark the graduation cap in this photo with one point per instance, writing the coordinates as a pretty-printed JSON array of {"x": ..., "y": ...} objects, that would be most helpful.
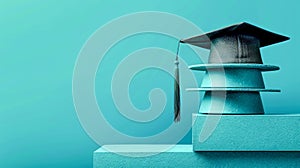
[{"x": 236, "y": 49}]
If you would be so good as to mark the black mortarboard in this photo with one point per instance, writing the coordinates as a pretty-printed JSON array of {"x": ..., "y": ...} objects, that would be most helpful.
[{"x": 238, "y": 43}]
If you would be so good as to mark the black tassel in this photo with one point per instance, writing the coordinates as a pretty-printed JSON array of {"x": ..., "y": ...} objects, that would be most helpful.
[{"x": 177, "y": 89}]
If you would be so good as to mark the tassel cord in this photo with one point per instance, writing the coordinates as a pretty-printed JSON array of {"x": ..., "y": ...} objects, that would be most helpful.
[{"x": 177, "y": 88}]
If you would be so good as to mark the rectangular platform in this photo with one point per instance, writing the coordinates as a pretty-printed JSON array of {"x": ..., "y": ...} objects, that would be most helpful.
[
  {"x": 184, "y": 156},
  {"x": 246, "y": 132}
]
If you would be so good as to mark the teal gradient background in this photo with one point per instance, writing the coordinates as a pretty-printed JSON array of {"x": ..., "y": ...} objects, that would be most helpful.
[{"x": 39, "y": 44}]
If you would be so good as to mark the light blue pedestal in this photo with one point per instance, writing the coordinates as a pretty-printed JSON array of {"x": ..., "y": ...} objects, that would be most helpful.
[
  {"x": 246, "y": 133},
  {"x": 183, "y": 156}
]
